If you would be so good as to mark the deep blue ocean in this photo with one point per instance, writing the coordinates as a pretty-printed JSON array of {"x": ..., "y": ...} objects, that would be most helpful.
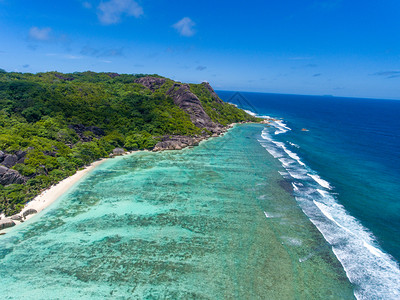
[{"x": 348, "y": 150}]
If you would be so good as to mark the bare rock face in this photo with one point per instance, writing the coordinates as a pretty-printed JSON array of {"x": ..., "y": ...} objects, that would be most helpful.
[
  {"x": 178, "y": 142},
  {"x": 3, "y": 170},
  {"x": 2, "y": 156},
  {"x": 16, "y": 217},
  {"x": 21, "y": 156},
  {"x": 64, "y": 78},
  {"x": 112, "y": 75},
  {"x": 6, "y": 223},
  {"x": 10, "y": 160},
  {"x": 8, "y": 176},
  {"x": 28, "y": 212},
  {"x": 151, "y": 83},
  {"x": 118, "y": 151},
  {"x": 80, "y": 130},
  {"x": 213, "y": 93},
  {"x": 189, "y": 102}
]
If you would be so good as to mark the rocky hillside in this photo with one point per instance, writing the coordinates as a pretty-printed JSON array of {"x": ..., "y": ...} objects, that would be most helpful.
[{"x": 52, "y": 124}]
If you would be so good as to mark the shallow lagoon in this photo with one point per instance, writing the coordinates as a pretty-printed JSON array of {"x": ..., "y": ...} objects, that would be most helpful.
[{"x": 213, "y": 222}]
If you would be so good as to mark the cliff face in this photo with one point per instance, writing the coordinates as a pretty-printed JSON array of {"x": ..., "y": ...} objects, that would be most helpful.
[
  {"x": 186, "y": 100},
  {"x": 189, "y": 103},
  {"x": 152, "y": 83}
]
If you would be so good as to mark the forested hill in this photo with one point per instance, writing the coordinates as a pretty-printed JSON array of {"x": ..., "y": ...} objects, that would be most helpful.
[{"x": 52, "y": 124}]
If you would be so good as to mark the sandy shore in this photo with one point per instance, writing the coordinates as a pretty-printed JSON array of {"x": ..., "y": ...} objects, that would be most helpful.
[{"x": 48, "y": 196}]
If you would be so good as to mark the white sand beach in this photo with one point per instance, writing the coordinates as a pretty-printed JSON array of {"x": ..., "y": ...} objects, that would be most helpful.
[{"x": 48, "y": 196}]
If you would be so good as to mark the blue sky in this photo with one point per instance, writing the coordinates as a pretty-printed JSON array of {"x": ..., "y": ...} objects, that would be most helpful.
[{"x": 316, "y": 47}]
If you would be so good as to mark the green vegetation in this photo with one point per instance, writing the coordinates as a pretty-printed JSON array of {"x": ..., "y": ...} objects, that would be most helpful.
[
  {"x": 66, "y": 121},
  {"x": 222, "y": 113}
]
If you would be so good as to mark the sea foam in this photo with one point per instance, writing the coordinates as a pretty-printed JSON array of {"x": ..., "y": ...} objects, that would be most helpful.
[
  {"x": 320, "y": 181},
  {"x": 374, "y": 273}
]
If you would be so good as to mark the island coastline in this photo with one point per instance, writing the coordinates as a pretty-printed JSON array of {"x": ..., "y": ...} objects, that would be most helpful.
[{"x": 51, "y": 194}]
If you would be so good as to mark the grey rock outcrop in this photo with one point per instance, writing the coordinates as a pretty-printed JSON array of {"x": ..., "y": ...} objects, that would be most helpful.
[
  {"x": 28, "y": 212},
  {"x": 112, "y": 75},
  {"x": 177, "y": 142},
  {"x": 3, "y": 170},
  {"x": 118, "y": 151},
  {"x": 16, "y": 217},
  {"x": 6, "y": 223},
  {"x": 150, "y": 82},
  {"x": 21, "y": 156},
  {"x": 80, "y": 130},
  {"x": 189, "y": 103},
  {"x": 10, "y": 160},
  {"x": 8, "y": 176},
  {"x": 2, "y": 156},
  {"x": 63, "y": 78}
]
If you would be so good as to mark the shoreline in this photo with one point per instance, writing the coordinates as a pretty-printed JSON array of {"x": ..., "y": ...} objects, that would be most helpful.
[{"x": 50, "y": 195}]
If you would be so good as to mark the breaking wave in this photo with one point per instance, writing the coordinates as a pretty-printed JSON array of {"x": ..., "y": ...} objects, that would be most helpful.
[{"x": 374, "y": 273}]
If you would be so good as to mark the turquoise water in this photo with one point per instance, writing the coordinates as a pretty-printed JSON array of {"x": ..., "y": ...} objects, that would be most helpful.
[
  {"x": 218, "y": 221},
  {"x": 345, "y": 171}
]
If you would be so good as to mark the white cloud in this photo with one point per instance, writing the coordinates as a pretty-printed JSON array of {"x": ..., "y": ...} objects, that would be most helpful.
[
  {"x": 185, "y": 27},
  {"x": 68, "y": 56},
  {"x": 111, "y": 12},
  {"x": 87, "y": 5},
  {"x": 40, "y": 34}
]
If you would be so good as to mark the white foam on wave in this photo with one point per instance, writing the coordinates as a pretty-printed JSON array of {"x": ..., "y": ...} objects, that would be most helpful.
[
  {"x": 370, "y": 269},
  {"x": 323, "y": 193},
  {"x": 281, "y": 124},
  {"x": 265, "y": 135},
  {"x": 266, "y": 215},
  {"x": 250, "y": 112},
  {"x": 373, "y": 250},
  {"x": 320, "y": 181},
  {"x": 324, "y": 209},
  {"x": 281, "y": 127},
  {"x": 293, "y": 155},
  {"x": 374, "y": 273},
  {"x": 273, "y": 152},
  {"x": 285, "y": 162},
  {"x": 281, "y": 146},
  {"x": 296, "y": 174},
  {"x": 294, "y": 145}
]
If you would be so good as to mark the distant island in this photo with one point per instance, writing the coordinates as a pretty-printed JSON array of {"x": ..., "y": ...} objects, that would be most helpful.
[{"x": 53, "y": 124}]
